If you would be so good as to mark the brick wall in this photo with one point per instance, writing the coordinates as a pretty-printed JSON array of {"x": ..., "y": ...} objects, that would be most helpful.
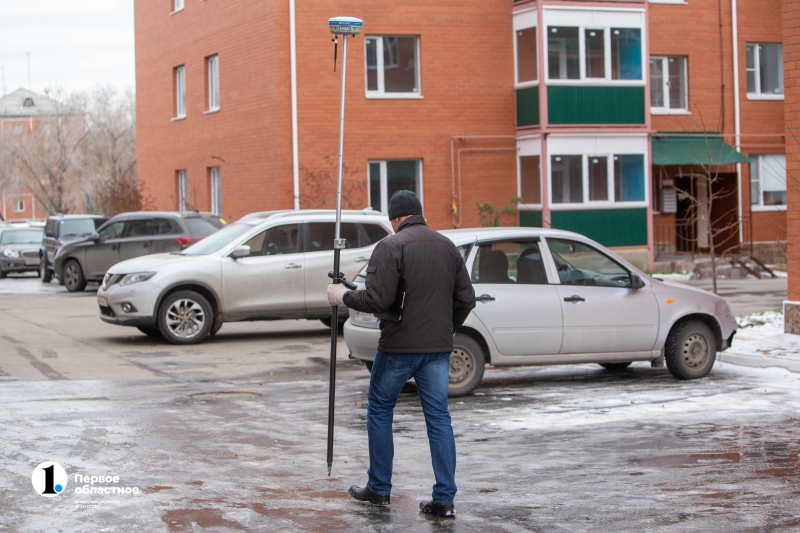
[
  {"x": 791, "y": 56},
  {"x": 466, "y": 86}
]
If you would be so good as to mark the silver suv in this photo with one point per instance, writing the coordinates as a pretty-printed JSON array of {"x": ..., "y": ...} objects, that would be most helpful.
[{"x": 266, "y": 266}]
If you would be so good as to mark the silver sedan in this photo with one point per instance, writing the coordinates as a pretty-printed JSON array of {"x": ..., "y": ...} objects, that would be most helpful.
[{"x": 554, "y": 297}]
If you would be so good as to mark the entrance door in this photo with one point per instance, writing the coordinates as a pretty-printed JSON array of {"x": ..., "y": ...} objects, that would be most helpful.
[
  {"x": 602, "y": 313},
  {"x": 269, "y": 282},
  {"x": 514, "y": 300}
]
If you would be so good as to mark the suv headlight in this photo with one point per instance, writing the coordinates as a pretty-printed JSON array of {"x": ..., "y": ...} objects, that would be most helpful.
[
  {"x": 130, "y": 279},
  {"x": 10, "y": 253}
]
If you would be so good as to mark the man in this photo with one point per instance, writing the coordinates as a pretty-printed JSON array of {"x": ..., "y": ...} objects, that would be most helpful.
[{"x": 421, "y": 270}]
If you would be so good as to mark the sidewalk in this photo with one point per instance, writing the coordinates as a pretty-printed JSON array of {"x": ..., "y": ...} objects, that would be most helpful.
[{"x": 760, "y": 342}]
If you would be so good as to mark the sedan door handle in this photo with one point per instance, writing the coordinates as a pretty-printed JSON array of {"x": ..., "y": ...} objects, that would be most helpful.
[
  {"x": 574, "y": 298},
  {"x": 362, "y": 259},
  {"x": 292, "y": 266},
  {"x": 485, "y": 298}
]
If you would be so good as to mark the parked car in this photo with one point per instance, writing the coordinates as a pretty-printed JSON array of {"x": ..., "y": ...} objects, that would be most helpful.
[
  {"x": 266, "y": 266},
  {"x": 126, "y": 236},
  {"x": 61, "y": 229},
  {"x": 555, "y": 297},
  {"x": 19, "y": 249}
]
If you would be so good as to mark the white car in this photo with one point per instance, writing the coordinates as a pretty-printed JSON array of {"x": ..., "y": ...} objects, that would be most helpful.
[
  {"x": 267, "y": 266},
  {"x": 555, "y": 297}
]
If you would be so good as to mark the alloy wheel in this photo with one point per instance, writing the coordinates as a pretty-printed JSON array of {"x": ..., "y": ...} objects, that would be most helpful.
[
  {"x": 71, "y": 275},
  {"x": 185, "y": 318}
]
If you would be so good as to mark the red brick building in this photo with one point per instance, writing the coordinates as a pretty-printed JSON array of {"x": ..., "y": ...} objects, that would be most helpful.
[
  {"x": 589, "y": 111},
  {"x": 791, "y": 55}
]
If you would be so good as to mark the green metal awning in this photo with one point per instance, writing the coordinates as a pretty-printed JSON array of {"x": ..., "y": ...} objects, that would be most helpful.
[{"x": 696, "y": 150}]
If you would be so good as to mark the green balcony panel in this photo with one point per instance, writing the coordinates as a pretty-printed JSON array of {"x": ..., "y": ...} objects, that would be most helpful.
[
  {"x": 530, "y": 219},
  {"x": 595, "y": 105},
  {"x": 609, "y": 227},
  {"x": 528, "y": 107}
]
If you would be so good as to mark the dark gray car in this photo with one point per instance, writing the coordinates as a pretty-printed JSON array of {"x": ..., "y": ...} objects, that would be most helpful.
[
  {"x": 19, "y": 249},
  {"x": 126, "y": 236},
  {"x": 59, "y": 230}
]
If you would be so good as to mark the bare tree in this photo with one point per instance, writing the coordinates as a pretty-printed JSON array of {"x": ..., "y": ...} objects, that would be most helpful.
[{"x": 320, "y": 187}]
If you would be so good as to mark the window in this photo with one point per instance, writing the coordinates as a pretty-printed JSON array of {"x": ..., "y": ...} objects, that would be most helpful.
[
  {"x": 580, "y": 264},
  {"x": 372, "y": 234},
  {"x": 668, "y": 86},
  {"x": 320, "y": 235},
  {"x": 180, "y": 91},
  {"x": 202, "y": 226},
  {"x": 212, "y": 73},
  {"x": 165, "y": 226},
  {"x": 768, "y": 181},
  {"x": 388, "y": 177},
  {"x": 530, "y": 180},
  {"x": 177, "y": 5},
  {"x": 392, "y": 65},
  {"x": 279, "y": 240},
  {"x": 764, "y": 70},
  {"x": 112, "y": 231},
  {"x": 570, "y": 187},
  {"x": 139, "y": 228},
  {"x": 183, "y": 191},
  {"x": 18, "y": 206},
  {"x": 509, "y": 262},
  {"x": 28, "y": 102},
  {"x": 527, "y": 64},
  {"x": 593, "y": 53},
  {"x": 215, "y": 179}
]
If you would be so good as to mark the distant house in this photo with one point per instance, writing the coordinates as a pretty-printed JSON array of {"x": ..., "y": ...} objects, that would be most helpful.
[{"x": 19, "y": 112}]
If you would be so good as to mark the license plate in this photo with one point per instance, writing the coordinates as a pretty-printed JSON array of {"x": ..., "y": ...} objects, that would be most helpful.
[
  {"x": 31, "y": 262},
  {"x": 103, "y": 301}
]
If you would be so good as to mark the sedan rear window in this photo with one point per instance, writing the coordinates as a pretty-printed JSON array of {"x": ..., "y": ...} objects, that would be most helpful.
[{"x": 202, "y": 226}]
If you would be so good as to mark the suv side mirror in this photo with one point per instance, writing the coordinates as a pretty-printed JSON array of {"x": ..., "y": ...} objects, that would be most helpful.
[
  {"x": 636, "y": 281},
  {"x": 240, "y": 251},
  {"x": 94, "y": 236}
]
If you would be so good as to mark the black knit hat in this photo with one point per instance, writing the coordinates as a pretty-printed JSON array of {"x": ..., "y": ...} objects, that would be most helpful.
[{"x": 404, "y": 203}]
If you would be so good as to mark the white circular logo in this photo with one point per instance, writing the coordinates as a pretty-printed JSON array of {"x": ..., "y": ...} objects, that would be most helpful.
[{"x": 49, "y": 479}]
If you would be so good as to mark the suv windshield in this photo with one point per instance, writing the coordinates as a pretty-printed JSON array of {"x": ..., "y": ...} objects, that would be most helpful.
[
  {"x": 27, "y": 236},
  {"x": 213, "y": 243},
  {"x": 77, "y": 227},
  {"x": 203, "y": 226}
]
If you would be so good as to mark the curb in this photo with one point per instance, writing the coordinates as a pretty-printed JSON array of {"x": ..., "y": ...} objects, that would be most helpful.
[{"x": 758, "y": 362}]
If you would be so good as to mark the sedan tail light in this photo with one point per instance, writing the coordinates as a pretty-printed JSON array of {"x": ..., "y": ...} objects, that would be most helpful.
[{"x": 185, "y": 242}]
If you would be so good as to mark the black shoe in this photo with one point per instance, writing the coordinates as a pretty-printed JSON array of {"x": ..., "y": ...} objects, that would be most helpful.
[
  {"x": 367, "y": 496},
  {"x": 431, "y": 507}
]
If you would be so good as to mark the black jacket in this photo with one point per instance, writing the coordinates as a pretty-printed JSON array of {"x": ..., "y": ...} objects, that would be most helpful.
[{"x": 439, "y": 294}]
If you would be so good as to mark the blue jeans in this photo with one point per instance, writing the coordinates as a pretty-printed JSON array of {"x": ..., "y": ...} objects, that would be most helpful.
[{"x": 431, "y": 372}]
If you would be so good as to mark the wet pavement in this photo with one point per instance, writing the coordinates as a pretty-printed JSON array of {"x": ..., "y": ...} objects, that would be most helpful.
[{"x": 230, "y": 436}]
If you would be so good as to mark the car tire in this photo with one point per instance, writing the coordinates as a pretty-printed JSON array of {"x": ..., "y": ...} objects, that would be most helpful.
[
  {"x": 467, "y": 363},
  {"x": 150, "y": 331},
  {"x": 327, "y": 321},
  {"x": 615, "y": 366},
  {"x": 690, "y": 350},
  {"x": 73, "y": 276},
  {"x": 185, "y": 317},
  {"x": 45, "y": 273},
  {"x": 368, "y": 364},
  {"x": 215, "y": 328},
  {"x": 3, "y": 275}
]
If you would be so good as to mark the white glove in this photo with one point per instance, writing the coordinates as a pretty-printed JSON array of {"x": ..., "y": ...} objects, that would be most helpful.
[{"x": 336, "y": 293}]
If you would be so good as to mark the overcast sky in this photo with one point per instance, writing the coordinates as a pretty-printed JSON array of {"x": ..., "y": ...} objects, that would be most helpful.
[{"x": 73, "y": 44}]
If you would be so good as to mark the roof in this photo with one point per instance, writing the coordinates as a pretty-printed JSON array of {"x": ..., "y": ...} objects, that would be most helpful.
[
  {"x": 60, "y": 216},
  {"x": 13, "y": 104},
  {"x": 311, "y": 212},
  {"x": 694, "y": 150},
  {"x": 505, "y": 232}
]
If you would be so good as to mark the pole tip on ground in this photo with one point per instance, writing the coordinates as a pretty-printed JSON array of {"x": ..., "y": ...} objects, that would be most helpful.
[{"x": 329, "y": 470}]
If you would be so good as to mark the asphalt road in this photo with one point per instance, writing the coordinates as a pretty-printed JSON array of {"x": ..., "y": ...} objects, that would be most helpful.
[{"x": 230, "y": 436}]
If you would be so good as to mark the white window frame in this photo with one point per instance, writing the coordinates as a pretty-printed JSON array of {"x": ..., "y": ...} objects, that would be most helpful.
[
  {"x": 212, "y": 71},
  {"x": 593, "y": 204},
  {"x": 758, "y": 95},
  {"x": 384, "y": 207},
  {"x": 18, "y": 206},
  {"x": 582, "y": 18},
  {"x": 381, "y": 92},
  {"x": 180, "y": 92},
  {"x": 760, "y": 205},
  {"x": 526, "y": 19},
  {"x": 215, "y": 177},
  {"x": 666, "y": 109},
  {"x": 183, "y": 190},
  {"x": 177, "y": 6},
  {"x": 530, "y": 146}
]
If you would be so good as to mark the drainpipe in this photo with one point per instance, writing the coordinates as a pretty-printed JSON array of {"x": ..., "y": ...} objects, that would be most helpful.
[
  {"x": 736, "y": 116},
  {"x": 293, "y": 62}
]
